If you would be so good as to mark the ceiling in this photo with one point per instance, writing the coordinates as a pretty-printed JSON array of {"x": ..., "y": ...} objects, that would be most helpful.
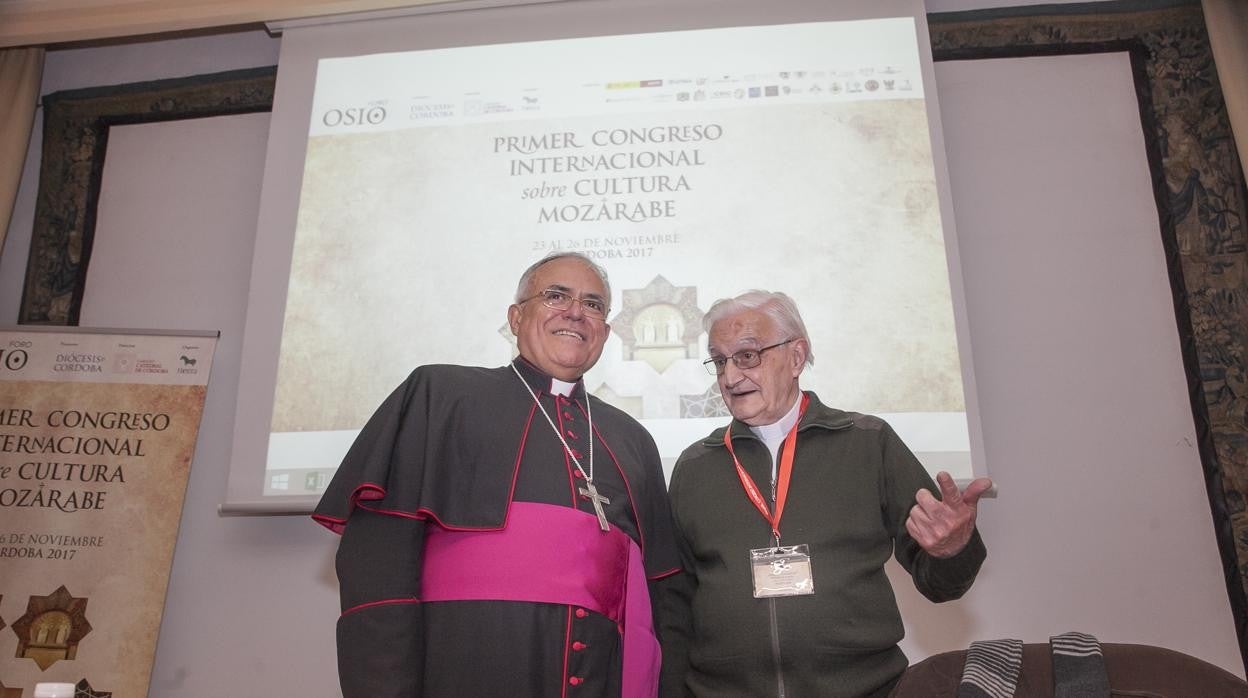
[{"x": 43, "y": 22}]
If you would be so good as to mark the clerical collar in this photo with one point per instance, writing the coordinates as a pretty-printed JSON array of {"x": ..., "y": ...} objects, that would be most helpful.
[
  {"x": 772, "y": 435},
  {"x": 780, "y": 429},
  {"x": 537, "y": 379}
]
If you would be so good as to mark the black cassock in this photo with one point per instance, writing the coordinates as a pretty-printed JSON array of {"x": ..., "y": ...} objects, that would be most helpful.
[{"x": 453, "y": 446}]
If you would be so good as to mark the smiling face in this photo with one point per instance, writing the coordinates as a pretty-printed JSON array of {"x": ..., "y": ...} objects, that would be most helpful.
[
  {"x": 562, "y": 343},
  {"x": 765, "y": 393}
]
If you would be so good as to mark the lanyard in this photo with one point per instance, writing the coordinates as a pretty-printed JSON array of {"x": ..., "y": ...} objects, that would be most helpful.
[{"x": 785, "y": 472}]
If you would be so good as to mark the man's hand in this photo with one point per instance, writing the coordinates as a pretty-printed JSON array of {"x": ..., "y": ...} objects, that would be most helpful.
[{"x": 943, "y": 527}]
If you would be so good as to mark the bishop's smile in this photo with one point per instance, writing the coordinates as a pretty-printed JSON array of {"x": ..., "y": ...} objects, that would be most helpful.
[{"x": 569, "y": 333}]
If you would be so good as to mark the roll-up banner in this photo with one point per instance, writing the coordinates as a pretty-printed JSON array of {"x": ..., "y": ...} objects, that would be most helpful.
[{"x": 97, "y": 431}]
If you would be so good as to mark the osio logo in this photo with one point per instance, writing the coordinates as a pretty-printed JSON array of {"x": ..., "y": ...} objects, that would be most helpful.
[{"x": 354, "y": 116}]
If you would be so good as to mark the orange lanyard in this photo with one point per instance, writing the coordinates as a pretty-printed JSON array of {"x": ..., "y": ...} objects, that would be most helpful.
[{"x": 782, "y": 483}]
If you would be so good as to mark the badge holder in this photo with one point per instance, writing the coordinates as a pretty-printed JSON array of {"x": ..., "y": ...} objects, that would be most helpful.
[{"x": 781, "y": 571}]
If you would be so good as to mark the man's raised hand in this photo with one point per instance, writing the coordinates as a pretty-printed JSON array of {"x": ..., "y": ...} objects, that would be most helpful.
[{"x": 943, "y": 526}]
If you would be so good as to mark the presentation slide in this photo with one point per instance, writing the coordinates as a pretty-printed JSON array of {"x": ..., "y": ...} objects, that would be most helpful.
[{"x": 692, "y": 165}]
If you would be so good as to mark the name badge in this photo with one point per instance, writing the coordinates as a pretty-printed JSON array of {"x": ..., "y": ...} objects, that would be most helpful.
[{"x": 782, "y": 571}]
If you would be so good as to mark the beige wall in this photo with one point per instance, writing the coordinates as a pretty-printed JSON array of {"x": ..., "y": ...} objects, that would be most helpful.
[
  {"x": 252, "y": 601},
  {"x": 1103, "y": 524}
]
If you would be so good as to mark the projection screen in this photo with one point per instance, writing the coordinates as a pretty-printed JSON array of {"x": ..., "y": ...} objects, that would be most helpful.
[{"x": 692, "y": 164}]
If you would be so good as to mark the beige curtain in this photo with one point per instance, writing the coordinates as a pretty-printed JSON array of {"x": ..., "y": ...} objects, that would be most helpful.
[
  {"x": 1227, "y": 21},
  {"x": 20, "y": 73}
]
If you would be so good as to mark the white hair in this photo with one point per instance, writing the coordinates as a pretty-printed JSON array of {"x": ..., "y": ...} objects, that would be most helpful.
[
  {"x": 526, "y": 279},
  {"x": 774, "y": 304}
]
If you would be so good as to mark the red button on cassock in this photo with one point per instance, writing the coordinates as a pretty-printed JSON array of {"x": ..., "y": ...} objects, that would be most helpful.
[
  {"x": 575, "y": 680},
  {"x": 581, "y": 613},
  {"x": 578, "y": 646},
  {"x": 577, "y": 474}
]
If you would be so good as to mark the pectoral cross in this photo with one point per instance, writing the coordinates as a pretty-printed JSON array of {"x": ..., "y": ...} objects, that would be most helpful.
[{"x": 591, "y": 493}]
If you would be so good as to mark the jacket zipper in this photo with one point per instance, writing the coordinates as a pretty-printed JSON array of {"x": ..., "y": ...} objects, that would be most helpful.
[
  {"x": 775, "y": 626},
  {"x": 775, "y": 648}
]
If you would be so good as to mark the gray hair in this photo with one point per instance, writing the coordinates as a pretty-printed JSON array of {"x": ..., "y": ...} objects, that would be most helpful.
[
  {"x": 526, "y": 279},
  {"x": 774, "y": 304}
]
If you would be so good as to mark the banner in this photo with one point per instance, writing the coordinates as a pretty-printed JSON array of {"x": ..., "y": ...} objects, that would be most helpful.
[{"x": 97, "y": 431}]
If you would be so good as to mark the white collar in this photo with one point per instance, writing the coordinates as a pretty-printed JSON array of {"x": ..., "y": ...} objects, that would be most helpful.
[
  {"x": 775, "y": 432},
  {"x": 558, "y": 387}
]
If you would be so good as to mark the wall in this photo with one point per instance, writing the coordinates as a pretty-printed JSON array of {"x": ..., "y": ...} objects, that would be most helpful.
[
  {"x": 252, "y": 601},
  {"x": 1101, "y": 526}
]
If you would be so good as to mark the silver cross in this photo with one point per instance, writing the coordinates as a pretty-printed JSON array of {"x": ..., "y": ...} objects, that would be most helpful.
[{"x": 591, "y": 493}]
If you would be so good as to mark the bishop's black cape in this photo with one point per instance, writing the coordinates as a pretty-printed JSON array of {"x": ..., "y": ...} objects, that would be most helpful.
[{"x": 453, "y": 446}]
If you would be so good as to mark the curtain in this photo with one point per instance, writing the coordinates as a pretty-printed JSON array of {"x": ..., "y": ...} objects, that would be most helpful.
[
  {"x": 1227, "y": 22},
  {"x": 20, "y": 72}
]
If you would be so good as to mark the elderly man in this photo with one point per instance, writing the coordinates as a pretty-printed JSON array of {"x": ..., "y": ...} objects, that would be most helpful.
[
  {"x": 499, "y": 525},
  {"x": 786, "y": 518}
]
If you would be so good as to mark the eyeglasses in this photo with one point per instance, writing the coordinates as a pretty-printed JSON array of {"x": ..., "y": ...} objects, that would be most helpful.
[
  {"x": 746, "y": 358},
  {"x": 558, "y": 299}
]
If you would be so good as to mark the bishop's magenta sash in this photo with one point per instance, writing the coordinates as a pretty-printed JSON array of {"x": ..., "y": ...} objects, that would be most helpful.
[{"x": 552, "y": 554}]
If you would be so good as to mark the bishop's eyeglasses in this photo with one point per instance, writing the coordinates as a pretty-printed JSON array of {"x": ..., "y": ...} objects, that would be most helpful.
[
  {"x": 559, "y": 299},
  {"x": 746, "y": 358}
]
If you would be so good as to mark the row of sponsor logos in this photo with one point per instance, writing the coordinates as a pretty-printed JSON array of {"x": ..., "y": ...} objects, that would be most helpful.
[
  {"x": 19, "y": 354},
  {"x": 755, "y": 91},
  {"x": 843, "y": 75},
  {"x": 783, "y": 84}
]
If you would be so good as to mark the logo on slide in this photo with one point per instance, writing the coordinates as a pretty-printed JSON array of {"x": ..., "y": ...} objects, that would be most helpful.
[{"x": 354, "y": 116}]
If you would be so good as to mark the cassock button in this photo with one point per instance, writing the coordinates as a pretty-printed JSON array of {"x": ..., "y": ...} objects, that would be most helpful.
[
  {"x": 578, "y": 646},
  {"x": 577, "y": 474},
  {"x": 575, "y": 680},
  {"x": 571, "y": 435},
  {"x": 581, "y": 613},
  {"x": 577, "y": 454},
  {"x": 567, "y": 414}
]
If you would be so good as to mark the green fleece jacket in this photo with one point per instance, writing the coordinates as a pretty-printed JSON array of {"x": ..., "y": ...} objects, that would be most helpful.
[{"x": 852, "y": 488}]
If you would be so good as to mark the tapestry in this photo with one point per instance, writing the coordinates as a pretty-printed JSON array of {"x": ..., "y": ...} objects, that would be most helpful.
[{"x": 75, "y": 138}]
